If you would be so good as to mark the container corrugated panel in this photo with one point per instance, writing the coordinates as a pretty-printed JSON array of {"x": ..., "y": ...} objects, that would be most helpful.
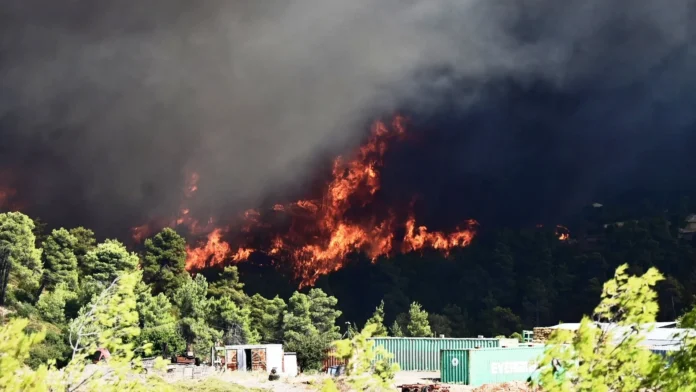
[
  {"x": 502, "y": 364},
  {"x": 454, "y": 366},
  {"x": 424, "y": 353}
]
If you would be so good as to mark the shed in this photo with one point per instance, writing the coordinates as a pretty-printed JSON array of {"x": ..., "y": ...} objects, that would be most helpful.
[{"x": 252, "y": 357}]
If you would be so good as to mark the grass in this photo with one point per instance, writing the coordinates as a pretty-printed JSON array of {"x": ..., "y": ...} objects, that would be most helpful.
[{"x": 212, "y": 385}]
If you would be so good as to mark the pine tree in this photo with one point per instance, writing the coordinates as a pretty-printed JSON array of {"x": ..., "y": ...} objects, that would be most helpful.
[
  {"x": 228, "y": 285},
  {"x": 164, "y": 264},
  {"x": 297, "y": 319},
  {"x": 377, "y": 320},
  {"x": 85, "y": 242},
  {"x": 109, "y": 259},
  {"x": 60, "y": 263},
  {"x": 193, "y": 308},
  {"x": 396, "y": 330},
  {"x": 26, "y": 269},
  {"x": 233, "y": 320},
  {"x": 323, "y": 313},
  {"x": 267, "y": 318},
  {"x": 418, "y": 325}
]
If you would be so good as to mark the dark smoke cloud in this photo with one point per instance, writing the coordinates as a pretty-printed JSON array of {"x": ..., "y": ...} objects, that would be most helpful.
[{"x": 104, "y": 105}]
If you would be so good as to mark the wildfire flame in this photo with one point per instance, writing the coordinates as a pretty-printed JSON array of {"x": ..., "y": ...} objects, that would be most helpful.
[
  {"x": 562, "y": 232},
  {"x": 320, "y": 235}
]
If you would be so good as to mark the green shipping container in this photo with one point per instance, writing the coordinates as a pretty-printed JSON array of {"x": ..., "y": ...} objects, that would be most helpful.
[
  {"x": 423, "y": 354},
  {"x": 476, "y": 367}
]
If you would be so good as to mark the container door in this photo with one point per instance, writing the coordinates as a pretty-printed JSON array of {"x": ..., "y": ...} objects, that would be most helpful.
[
  {"x": 258, "y": 359},
  {"x": 241, "y": 360},
  {"x": 232, "y": 362}
]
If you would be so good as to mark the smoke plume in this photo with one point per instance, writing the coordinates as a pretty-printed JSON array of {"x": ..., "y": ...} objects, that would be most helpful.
[{"x": 106, "y": 105}]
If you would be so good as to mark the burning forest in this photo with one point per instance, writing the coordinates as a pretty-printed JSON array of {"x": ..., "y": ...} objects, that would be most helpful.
[{"x": 315, "y": 235}]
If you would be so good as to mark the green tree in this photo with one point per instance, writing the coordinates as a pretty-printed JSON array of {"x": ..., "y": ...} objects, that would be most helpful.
[
  {"x": 297, "y": 319},
  {"x": 323, "y": 313},
  {"x": 15, "y": 347},
  {"x": 158, "y": 325},
  {"x": 310, "y": 349},
  {"x": 396, "y": 330},
  {"x": 60, "y": 263},
  {"x": 377, "y": 320},
  {"x": 107, "y": 260},
  {"x": 418, "y": 325},
  {"x": 193, "y": 307},
  {"x": 267, "y": 317},
  {"x": 85, "y": 242},
  {"x": 51, "y": 304},
  {"x": 368, "y": 366},
  {"x": 679, "y": 375},
  {"x": 164, "y": 263},
  {"x": 233, "y": 320},
  {"x": 228, "y": 285},
  {"x": 440, "y": 324},
  {"x": 601, "y": 358},
  {"x": 17, "y": 238}
]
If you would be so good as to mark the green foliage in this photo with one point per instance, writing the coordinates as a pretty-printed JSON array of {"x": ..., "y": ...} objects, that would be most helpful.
[
  {"x": 377, "y": 320},
  {"x": 418, "y": 325},
  {"x": 600, "y": 358},
  {"x": 518, "y": 336},
  {"x": 440, "y": 324},
  {"x": 228, "y": 285},
  {"x": 310, "y": 350},
  {"x": 368, "y": 366},
  {"x": 396, "y": 330},
  {"x": 52, "y": 304},
  {"x": 85, "y": 242},
  {"x": 234, "y": 321},
  {"x": 680, "y": 375},
  {"x": 107, "y": 260},
  {"x": 157, "y": 322},
  {"x": 60, "y": 263},
  {"x": 17, "y": 237},
  {"x": 267, "y": 317},
  {"x": 193, "y": 308},
  {"x": 297, "y": 320},
  {"x": 328, "y": 385},
  {"x": 323, "y": 313},
  {"x": 15, "y": 348},
  {"x": 54, "y": 349},
  {"x": 164, "y": 262},
  {"x": 110, "y": 320}
]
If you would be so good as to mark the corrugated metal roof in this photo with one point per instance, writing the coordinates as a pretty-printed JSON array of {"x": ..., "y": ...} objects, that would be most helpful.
[{"x": 661, "y": 334}]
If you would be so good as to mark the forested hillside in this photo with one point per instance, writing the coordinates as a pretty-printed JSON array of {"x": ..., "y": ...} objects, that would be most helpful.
[{"x": 506, "y": 281}]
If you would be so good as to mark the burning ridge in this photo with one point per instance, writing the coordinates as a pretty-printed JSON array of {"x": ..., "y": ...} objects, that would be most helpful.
[{"x": 315, "y": 235}]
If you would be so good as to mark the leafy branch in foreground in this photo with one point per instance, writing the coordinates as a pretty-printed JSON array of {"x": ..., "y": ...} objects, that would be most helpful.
[
  {"x": 605, "y": 354},
  {"x": 368, "y": 366}
]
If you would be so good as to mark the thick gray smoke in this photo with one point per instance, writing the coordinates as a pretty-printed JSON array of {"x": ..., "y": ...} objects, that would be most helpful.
[{"x": 105, "y": 104}]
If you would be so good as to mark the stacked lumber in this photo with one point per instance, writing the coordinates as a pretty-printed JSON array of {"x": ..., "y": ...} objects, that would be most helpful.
[{"x": 542, "y": 334}]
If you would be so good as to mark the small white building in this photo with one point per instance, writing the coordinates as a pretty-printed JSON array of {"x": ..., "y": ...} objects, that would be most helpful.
[
  {"x": 251, "y": 357},
  {"x": 290, "y": 364}
]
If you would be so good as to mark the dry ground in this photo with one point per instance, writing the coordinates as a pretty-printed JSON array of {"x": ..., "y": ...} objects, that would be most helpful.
[{"x": 306, "y": 383}]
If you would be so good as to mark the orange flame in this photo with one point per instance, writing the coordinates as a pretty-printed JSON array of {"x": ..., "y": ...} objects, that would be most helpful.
[
  {"x": 320, "y": 235},
  {"x": 562, "y": 232},
  {"x": 213, "y": 252}
]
